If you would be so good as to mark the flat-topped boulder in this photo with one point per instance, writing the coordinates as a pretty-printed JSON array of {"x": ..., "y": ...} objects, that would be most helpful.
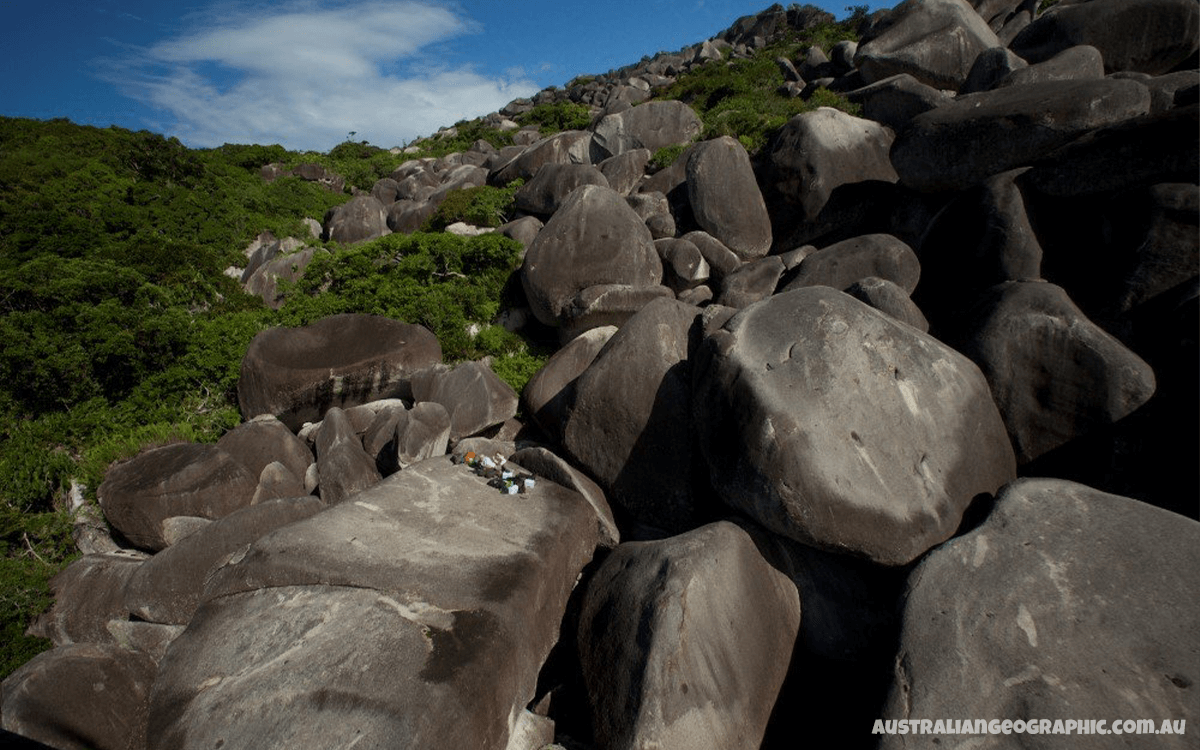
[
  {"x": 417, "y": 614},
  {"x": 343, "y": 360}
]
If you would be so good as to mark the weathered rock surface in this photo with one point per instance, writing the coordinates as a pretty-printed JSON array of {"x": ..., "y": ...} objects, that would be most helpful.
[
  {"x": 106, "y": 687},
  {"x": 1051, "y": 622},
  {"x": 685, "y": 642},
  {"x": 1166, "y": 33},
  {"x": 551, "y": 391},
  {"x": 834, "y": 425},
  {"x": 342, "y": 463},
  {"x": 421, "y": 432},
  {"x": 362, "y": 218},
  {"x": 87, "y": 594},
  {"x": 976, "y": 136},
  {"x": 846, "y": 262},
  {"x": 934, "y": 41},
  {"x": 816, "y": 152},
  {"x": 594, "y": 239},
  {"x": 552, "y": 184},
  {"x": 416, "y": 615},
  {"x": 725, "y": 198},
  {"x": 472, "y": 394},
  {"x": 343, "y": 360},
  {"x": 184, "y": 479},
  {"x": 650, "y": 126},
  {"x": 631, "y": 408},
  {"x": 166, "y": 588},
  {"x": 1054, "y": 374}
]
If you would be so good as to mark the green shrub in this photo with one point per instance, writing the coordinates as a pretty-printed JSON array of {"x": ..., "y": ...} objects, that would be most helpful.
[
  {"x": 481, "y": 206},
  {"x": 666, "y": 156},
  {"x": 555, "y": 117}
]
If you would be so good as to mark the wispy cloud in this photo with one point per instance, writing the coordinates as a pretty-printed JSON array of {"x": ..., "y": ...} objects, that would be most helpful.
[{"x": 306, "y": 73}]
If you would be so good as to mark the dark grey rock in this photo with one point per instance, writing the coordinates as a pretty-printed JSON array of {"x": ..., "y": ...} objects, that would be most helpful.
[
  {"x": 184, "y": 479},
  {"x": 1054, "y": 374},
  {"x": 818, "y": 151},
  {"x": 683, "y": 266},
  {"x": 990, "y": 68},
  {"x": 888, "y": 297},
  {"x": 81, "y": 697},
  {"x": 473, "y": 395},
  {"x": 848, "y": 261},
  {"x": 897, "y": 99},
  {"x": 625, "y": 171},
  {"x": 1148, "y": 36},
  {"x": 651, "y": 126},
  {"x": 362, "y": 218},
  {"x": 725, "y": 198},
  {"x": 87, "y": 594},
  {"x": 834, "y": 425},
  {"x": 685, "y": 642},
  {"x": 595, "y": 238},
  {"x": 263, "y": 440},
  {"x": 978, "y": 135},
  {"x": 631, "y": 407},
  {"x": 934, "y": 41},
  {"x": 166, "y": 588},
  {"x": 550, "y": 186},
  {"x": 344, "y": 467},
  {"x": 1081, "y": 62},
  {"x": 548, "y": 395},
  {"x": 1066, "y": 603},
  {"x": 380, "y": 619},
  {"x": 343, "y": 360},
  {"x": 751, "y": 282},
  {"x": 420, "y": 433}
]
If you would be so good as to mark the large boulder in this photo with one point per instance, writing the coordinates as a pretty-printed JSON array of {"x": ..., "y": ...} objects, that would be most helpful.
[
  {"x": 843, "y": 263},
  {"x": 87, "y": 594},
  {"x": 552, "y": 184},
  {"x": 84, "y": 696},
  {"x": 264, "y": 281},
  {"x": 417, "y": 615},
  {"x": 934, "y": 41},
  {"x": 569, "y": 147},
  {"x": 979, "y": 135},
  {"x": 166, "y": 588},
  {"x": 1054, "y": 374},
  {"x": 1146, "y": 36},
  {"x": 834, "y": 425},
  {"x": 819, "y": 151},
  {"x": 1065, "y": 604},
  {"x": 725, "y": 198},
  {"x": 342, "y": 463},
  {"x": 361, "y": 218},
  {"x": 594, "y": 239},
  {"x": 981, "y": 238},
  {"x": 473, "y": 394},
  {"x": 631, "y": 415},
  {"x": 264, "y": 440},
  {"x": 343, "y": 360},
  {"x": 184, "y": 479},
  {"x": 685, "y": 642},
  {"x": 548, "y": 395},
  {"x": 651, "y": 126}
]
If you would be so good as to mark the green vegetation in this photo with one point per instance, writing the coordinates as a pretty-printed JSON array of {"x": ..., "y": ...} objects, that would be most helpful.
[
  {"x": 121, "y": 330},
  {"x": 482, "y": 206},
  {"x": 741, "y": 97},
  {"x": 556, "y": 117},
  {"x": 464, "y": 135}
]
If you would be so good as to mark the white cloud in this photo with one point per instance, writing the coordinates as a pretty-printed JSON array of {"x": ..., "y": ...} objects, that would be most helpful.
[{"x": 307, "y": 73}]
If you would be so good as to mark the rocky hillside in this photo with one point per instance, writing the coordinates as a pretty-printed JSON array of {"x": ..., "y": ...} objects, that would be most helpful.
[{"x": 855, "y": 419}]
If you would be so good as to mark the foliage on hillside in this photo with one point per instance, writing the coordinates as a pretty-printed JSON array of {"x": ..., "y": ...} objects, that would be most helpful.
[
  {"x": 740, "y": 97},
  {"x": 122, "y": 331}
]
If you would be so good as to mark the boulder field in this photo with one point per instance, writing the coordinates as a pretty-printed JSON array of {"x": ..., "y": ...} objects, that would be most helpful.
[{"x": 892, "y": 421}]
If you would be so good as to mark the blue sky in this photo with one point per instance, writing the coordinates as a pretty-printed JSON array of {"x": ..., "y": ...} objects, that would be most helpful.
[{"x": 305, "y": 73}]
